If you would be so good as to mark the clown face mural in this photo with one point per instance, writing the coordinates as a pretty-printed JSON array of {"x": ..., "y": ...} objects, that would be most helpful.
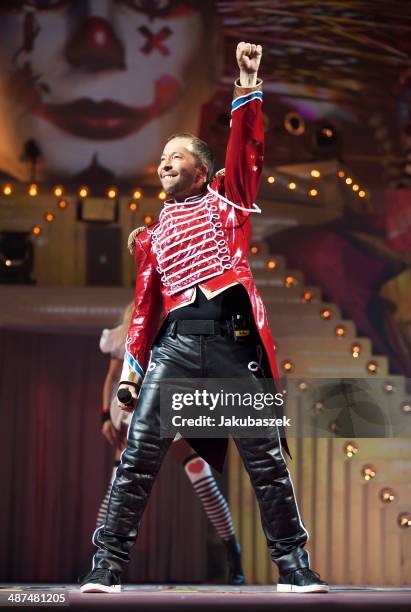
[{"x": 101, "y": 83}]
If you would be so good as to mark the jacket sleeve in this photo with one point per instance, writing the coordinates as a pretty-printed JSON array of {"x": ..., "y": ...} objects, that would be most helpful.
[
  {"x": 144, "y": 320},
  {"x": 245, "y": 148}
]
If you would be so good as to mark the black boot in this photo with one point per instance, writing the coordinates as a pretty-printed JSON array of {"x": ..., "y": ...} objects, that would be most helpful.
[{"x": 235, "y": 569}]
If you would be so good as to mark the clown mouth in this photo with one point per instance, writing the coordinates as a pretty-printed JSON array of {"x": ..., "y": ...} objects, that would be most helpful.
[{"x": 108, "y": 120}]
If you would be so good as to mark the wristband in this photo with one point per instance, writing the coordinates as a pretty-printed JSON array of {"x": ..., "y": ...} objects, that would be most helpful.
[{"x": 105, "y": 416}]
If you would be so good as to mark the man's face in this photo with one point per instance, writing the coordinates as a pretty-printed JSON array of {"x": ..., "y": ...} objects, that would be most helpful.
[
  {"x": 180, "y": 172},
  {"x": 99, "y": 83}
]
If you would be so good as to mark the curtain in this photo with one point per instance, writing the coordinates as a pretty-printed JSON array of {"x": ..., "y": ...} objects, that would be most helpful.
[{"x": 55, "y": 468}]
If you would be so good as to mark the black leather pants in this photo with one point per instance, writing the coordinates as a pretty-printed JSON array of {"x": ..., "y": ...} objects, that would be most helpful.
[{"x": 197, "y": 356}]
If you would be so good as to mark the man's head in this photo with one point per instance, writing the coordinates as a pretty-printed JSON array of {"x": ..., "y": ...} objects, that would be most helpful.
[{"x": 186, "y": 165}]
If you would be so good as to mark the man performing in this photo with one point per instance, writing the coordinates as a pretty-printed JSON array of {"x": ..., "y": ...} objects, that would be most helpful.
[{"x": 193, "y": 284}]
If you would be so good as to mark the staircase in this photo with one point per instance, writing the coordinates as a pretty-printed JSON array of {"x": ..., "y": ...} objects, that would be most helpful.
[{"x": 356, "y": 537}]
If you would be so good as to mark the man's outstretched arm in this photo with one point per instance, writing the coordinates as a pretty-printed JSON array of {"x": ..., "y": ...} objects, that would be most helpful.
[{"x": 245, "y": 148}]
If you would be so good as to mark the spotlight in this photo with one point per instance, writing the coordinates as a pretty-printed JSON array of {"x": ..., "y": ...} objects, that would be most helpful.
[
  {"x": 307, "y": 296},
  {"x": 58, "y": 191},
  {"x": 368, "y": 472},
  {"x": 7, "y": 189},
  {"x": 290, "y": 281},
  {"x": 350, "y": 449},
  {"x": 387, "y": 495},
  {"x": 287, "y": 366},
  {"x": 112, "y": 193},
  {"x": 83, "y": 192},
  {"x": 404, "y": 520},
  {"x": 356, "y": 350},
  {"x": 33, "y": 190},
  {"x": 372, "y": 367}
]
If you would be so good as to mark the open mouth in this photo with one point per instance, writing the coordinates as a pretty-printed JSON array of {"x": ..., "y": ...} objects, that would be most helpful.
[{"x": 108, "y": 120}]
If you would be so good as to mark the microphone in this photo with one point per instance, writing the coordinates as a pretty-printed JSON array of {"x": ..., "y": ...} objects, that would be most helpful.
[{"x": 125, "y": 397}]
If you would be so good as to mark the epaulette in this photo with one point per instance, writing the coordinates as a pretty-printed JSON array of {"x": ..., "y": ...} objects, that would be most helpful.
[
  {"x": 220, "y": 172},
  {"x": 131, "y": 239}
]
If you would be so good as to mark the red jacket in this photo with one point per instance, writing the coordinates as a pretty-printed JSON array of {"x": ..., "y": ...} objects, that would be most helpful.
[{"x": 238, "y": 187}]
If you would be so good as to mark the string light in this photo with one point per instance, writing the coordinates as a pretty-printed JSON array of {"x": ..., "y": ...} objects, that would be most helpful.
[
  {"x": 325, "y": 313},
  {"x": 387, "y": 495},
  {"x": 162, "y": 195},
  {"x": 254, "y": 249},
  {"x": 350, "y": 449},
  {"x": 36, "y": 230},
  {"x": 112, "y": 193},
  {"x": 133, "y": 206},
  {"x": 355, "y": 187},
  {"x": 313, "y": 193},
  {"x": 33, "y": 190},
  {"x": 137, "y": 194},
  {"x": 8, "y": 263},
  {"x": 271, "y": 264},
  {"x": 368, "y": 472},
  {"x": 362, "y": 193},
  {"x": 83, "y": 191},
  {"x": 315, "y": 173},
  {"x": 356, "y": 350},
  {"x": 372, "y": 367},
  {"x": 348, "y": 180},
  {"x": 404, "y": 520},
  {"x": 292, "y": 186},
  {"x": 341, "y": 173},
  {"x": 7, "y": 189},
  {"x": 302, "y": 385},
  {"x": 62, "y": 204},
  {"x": 307, "y": 296},
  {"x": 318, "y": 407},
  {"x": 340, "y": 331},
  {"x": 148, "y": 219},
  {"x": 49, "y": 217},
  {"x": 287, "y": 366},
  {"x": 406, "y": 407},
  {"x": 389, "y": 387},
  {"x": 58, "y": 191},
  {"x": 271, "y": 179},
  {"x": 290, "y": 281}
]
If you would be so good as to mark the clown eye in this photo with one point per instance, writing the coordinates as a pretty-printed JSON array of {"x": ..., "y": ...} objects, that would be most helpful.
[{"x": 159, "y": 8}]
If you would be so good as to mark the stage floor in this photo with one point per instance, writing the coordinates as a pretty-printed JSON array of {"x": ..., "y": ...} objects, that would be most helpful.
[{"x": 201, "y": 598}]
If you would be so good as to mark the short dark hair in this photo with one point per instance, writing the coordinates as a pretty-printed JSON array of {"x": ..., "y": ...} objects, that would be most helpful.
[{"x": 201, "y": 150}]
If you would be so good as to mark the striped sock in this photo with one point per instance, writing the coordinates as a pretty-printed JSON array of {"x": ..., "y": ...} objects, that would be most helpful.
[
  {"x": 102, "y": 511},
  {"x": 213, "y": 501}
]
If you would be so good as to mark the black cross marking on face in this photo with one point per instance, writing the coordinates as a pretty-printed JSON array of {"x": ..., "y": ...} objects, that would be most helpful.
[{"x": 155, "y": 40}]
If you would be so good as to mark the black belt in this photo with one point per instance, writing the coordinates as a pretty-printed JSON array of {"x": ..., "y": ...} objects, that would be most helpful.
[{"x": 207, "y": 327}]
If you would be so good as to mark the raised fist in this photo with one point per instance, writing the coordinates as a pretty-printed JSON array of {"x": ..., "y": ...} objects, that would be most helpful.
[{"x": 248, "y": 57}]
